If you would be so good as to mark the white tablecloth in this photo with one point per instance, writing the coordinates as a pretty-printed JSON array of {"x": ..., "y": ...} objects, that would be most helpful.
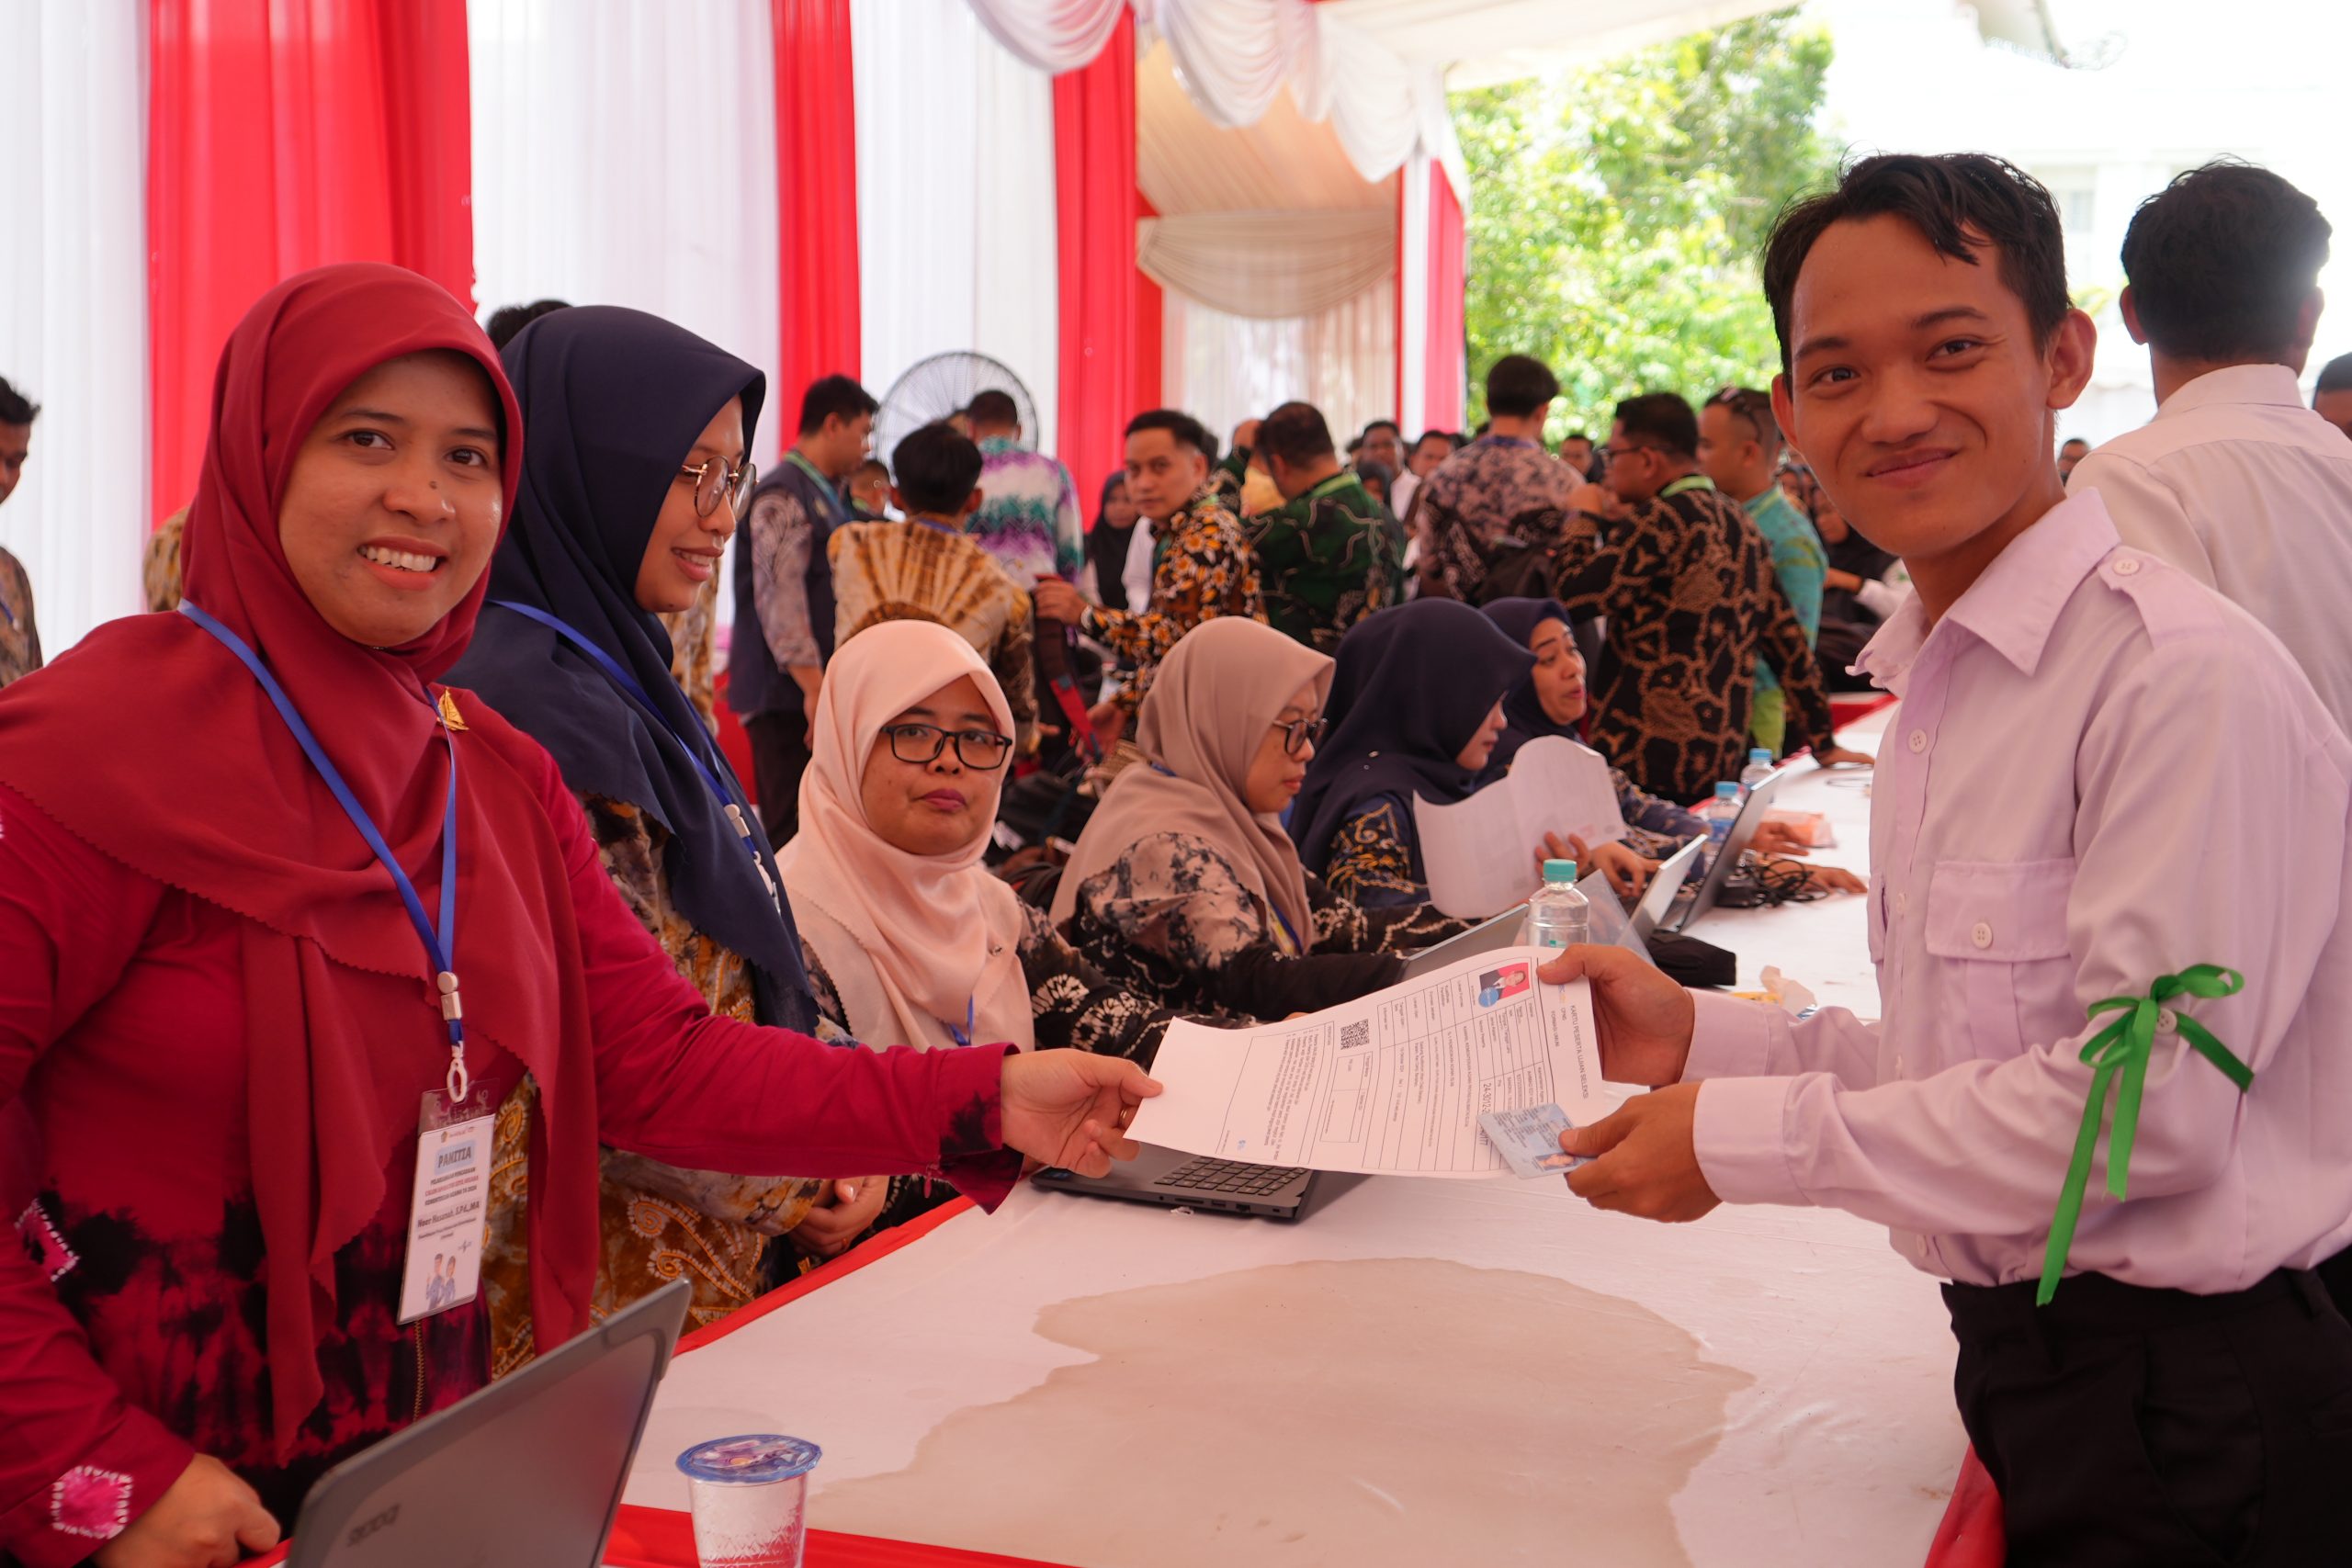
[{"x": 1108, "y": 1384}]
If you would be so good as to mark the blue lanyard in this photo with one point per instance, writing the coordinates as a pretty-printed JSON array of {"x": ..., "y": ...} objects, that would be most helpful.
[
  {"x": 439, "y": 946},
  {"x": 629, "y": 684},
  {"x": 971, "y": 1016},
  {"x": 1283, "y": 920}
]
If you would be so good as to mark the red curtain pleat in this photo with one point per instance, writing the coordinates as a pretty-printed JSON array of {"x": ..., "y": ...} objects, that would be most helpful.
[
  {"x": 282, "y": 135},
  {"x": 816, "y": 133},
  {"x": 1095, "y": 187},
  {"x": 1448, "y": 373}
]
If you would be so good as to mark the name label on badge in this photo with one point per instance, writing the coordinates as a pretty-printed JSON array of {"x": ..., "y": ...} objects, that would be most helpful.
[{"x": 449, "y": 1210}]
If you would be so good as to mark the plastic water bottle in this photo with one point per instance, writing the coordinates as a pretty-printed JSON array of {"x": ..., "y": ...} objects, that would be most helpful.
[
  {"x": 1719, "y": 814},
  {"x": 1759, "y": 769},
  {"x": 1559, "y": 916}
]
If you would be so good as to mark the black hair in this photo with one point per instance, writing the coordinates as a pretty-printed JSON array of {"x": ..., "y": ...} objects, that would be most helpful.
[
  {"x": 1517, "y": 386},
  {"x": 1388, "y": 424},
  {"x": 1756, "y": 408},
  {"x": 15, "y": 407},
  {"x": 1577, "y": 435},
  {"x": 1956, "y": 201},
  {"x": 2336, "y": 376},
  {"x": 1483, "y": 425},
  {"x": 1296, "y": 433},
  {"x": 833, "y": 397},
  {"x": 1427, "y": 436},
  {"x": 2221, "y": 262},
  {"x": 871, "y": 465},
  {"x": 2074, "y": 441},
  {"x": 1664, "y": 420},
  {"x": 936, "y": 469},
  {"x": 1186, "y": 430},
  {"x": 994, "y": 408},
  {"x": 1371, "y": 472},
  {"x": 508, "y": 320}
]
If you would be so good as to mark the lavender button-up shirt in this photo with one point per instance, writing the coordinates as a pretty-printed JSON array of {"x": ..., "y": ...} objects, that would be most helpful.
[{"x": 2101, "y": 771}]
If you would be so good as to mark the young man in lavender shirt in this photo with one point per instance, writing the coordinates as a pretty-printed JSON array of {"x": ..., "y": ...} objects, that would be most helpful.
[{"x": 2105, "y": 781}]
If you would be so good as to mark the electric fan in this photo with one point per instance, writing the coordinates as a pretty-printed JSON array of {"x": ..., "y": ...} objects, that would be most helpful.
[{"x": 934, "y": 388}]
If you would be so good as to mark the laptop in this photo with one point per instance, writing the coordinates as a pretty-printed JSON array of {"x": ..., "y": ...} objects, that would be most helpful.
[
  {"x": 1687, "y": 912},
  {"x": 1177, "y": 1181},
  {"x": 525, "y": 1473},
  {"x": 1664, "y": 886},
  {"x": 1487, "y": 936}
]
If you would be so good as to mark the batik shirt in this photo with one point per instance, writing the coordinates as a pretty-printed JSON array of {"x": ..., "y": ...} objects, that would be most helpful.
[
  {"x": 1326, "y": 559},
  {"x": 1798, "y": 560},
  {"x": 159, "y": 572},
  {"x": 1686, "y": 581},
  {"x": 1029, "y": 517},
  {"x": 19, "y": 638},
  {"x": 657, "y": 1223},
  {"x": 1205, "y": 568},
  {"x": 1496, "y": 488},
  {"x": 690, "y": 650},
  {"x": 923, "y": 571}
]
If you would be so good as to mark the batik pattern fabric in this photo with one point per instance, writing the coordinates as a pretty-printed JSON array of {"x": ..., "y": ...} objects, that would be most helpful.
[
  {"x": 1686, "y": 580},
  {"x": 1029, "y": 518},
  {"x": 158, "y": 567},
  {"x": 1495, "y": 488},
  {"x": 1326, "y": 559},
  {"x": 1205, "y": 568},
  {"x": 691, "y": 651},
  {"x": 658, "y": 1223},
  {"x": 1169, "y": 913},
  {"x": 922, "y": 571},
  {"x": 1798, "y": 561},
  {"x": 1077, "y": 1007},
  {"x": 20, "y": 636}
]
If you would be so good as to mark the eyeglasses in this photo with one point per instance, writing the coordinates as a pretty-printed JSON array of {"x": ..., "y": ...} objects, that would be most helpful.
[
  {"x": 1610, "y": 454},
  {"x": 1298, "y": 734},
  {"x": 714, "y": 481},
  {"x": 983, "y": 750}
]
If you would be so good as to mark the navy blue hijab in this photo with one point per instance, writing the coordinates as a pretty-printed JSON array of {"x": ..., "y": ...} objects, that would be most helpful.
[
  {"x": 613, "y": 401},
  {"x": 1412, "y": 686},
  {"x": 1523, "y": 709}
]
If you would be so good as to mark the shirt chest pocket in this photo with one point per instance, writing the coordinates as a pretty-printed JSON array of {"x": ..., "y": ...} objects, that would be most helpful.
[{"x": 1997, "y": 933}]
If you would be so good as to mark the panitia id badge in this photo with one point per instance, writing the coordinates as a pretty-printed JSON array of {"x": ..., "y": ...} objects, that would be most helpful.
[{"x": 449, "y": 1211}]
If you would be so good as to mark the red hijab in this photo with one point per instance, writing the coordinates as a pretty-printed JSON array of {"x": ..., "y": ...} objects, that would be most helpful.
[{"x": 151, "y": 742}]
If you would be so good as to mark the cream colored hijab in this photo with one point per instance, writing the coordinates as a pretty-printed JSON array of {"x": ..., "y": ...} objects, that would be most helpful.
[
  {"x": 1212, "y": 702},
  {"x": 911, "y": 942}
]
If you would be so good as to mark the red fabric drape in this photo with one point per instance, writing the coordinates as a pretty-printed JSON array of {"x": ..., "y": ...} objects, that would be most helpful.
[
  {"x": 1151, "y": 331},
  {"x": 1094, "y": 189},
  {"x": 1449, "y": 373},
  {"x": 816, "y": 162},
  {"x": 281, "y": 135}
]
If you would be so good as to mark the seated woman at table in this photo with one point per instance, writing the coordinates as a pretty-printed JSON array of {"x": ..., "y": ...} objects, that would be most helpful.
[
  {"x": 1184, "y": 884},
  {"x": 905, "y": 933},
  {"x": 636, "y": 459},
  {"x": 246, "y": 853},
  {"x": 1553, "y": 700}
]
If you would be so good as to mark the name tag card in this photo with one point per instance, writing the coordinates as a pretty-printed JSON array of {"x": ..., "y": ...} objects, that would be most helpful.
[{"x": 449, "y": 1211}]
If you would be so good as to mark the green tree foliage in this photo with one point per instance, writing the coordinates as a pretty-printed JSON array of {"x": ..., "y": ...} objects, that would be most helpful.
[{"x": 1616, "y": 213}]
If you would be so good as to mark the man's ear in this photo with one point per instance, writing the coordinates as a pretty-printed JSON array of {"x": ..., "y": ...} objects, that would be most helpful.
[
  {"x": 1784, "y": 415},
  {"x": 2072, "y": 348},
  {"x": 2131, "y": 309},
  {"x": 971, "y": 503}
]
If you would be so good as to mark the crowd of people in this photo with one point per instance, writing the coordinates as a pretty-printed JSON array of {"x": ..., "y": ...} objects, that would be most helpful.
[{"x": 439, "y": 632}]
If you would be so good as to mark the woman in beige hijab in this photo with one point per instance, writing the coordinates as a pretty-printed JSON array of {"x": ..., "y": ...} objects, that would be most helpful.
[{"x": 1184, "y": 883}]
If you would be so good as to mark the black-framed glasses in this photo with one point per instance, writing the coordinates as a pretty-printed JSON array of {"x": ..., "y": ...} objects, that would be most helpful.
[
  {"x": 1298, "y": 734},
  {"x": 716, "y": 482},
  {"x": 981, "y": 749},
  {"x": 1610, "y": 454}
]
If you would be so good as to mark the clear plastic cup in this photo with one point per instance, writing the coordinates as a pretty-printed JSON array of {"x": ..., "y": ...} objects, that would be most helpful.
[{"x": 749, "y": 1498}]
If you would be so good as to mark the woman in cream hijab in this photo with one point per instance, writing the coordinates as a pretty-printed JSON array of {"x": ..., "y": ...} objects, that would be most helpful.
[{"x": 1184, "y": 883}]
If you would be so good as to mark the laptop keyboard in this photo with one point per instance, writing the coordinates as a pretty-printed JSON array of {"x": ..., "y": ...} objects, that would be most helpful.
[{"x": 1231, "y": 1179}]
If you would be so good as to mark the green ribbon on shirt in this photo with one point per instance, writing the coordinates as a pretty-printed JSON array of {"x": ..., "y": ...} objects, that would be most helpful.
[{"x": 2119, "y": 1055}]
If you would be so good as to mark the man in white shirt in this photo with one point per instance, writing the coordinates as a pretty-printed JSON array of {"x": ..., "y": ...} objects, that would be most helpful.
[
  {"x": 2235, "y": 480},
  {"x": 2332, "y": 399}
]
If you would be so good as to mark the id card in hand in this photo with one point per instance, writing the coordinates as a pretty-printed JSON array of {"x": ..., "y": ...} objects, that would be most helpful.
[
  {"x": 449, "y": 1211},
  {"x": 1529, "y": 1140}
]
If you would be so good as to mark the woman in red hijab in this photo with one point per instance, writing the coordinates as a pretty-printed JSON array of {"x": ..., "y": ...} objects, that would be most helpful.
[{"x": 221, "y": 1009}]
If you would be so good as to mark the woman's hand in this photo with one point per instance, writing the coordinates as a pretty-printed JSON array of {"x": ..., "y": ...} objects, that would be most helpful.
[
  {"x": 1071, "y": 1108},
  {"x": 1823, "y": 878},
  {"x": 1644, "y": 1020},
  {"x": 842, "y": 1213},
  {"x": 1780, "y": 838},
  {"x": 1627, "y": 871},
  {"x": 208, "y": 1518}
]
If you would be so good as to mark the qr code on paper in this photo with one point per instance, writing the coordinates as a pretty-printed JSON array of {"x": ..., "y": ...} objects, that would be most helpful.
[{"x": 1352, "y": 1035}]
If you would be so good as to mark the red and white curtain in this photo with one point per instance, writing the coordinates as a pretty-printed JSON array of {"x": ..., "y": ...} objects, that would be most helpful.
[{"x": 818, "y": 185}]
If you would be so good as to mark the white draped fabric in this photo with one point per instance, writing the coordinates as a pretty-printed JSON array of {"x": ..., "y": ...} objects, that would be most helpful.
[
  {"x": 1223, "y": 368},
  {"x": 1054, "y": 36},
  {"x": 1268, "y": 265},
  {"x": 73, "y": 304},
  {"x": 625, "y": 154},
  {"x": 1413, "y": 279},
  {"x": 956, "y": 200}
]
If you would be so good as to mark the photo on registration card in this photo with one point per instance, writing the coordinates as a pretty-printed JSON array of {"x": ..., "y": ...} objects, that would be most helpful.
[{"x": 1502, "y": 985}]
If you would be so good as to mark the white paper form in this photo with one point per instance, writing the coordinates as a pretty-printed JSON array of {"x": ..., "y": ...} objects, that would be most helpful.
[
  {"x": 1480, "y": 852},
  {"x": 1389, "y": 1085}
]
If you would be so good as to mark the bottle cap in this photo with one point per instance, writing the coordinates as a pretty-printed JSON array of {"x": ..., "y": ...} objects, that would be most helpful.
[
  {"x": 1727, "y": 790},
  {"x": 1560, "y": 871},
  {"x": 751, "y": 1461},
  {"x": 1759, "y": 756}
]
